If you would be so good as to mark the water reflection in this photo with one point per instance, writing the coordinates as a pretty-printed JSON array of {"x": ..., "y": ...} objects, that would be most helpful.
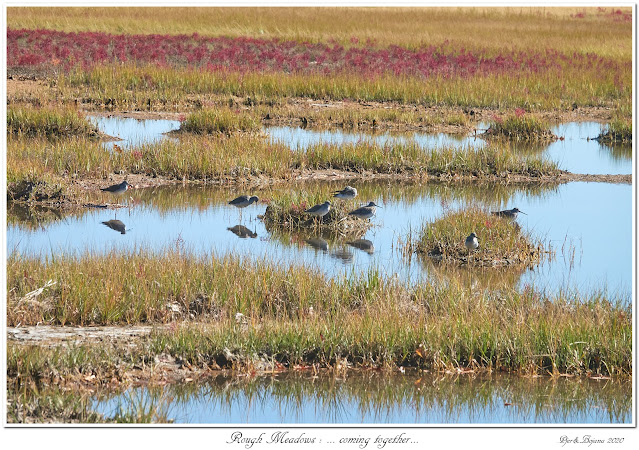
[
  {"x": 569, "y": 217},
  {"x": 474, "y": 278},
  {"x": 369, "y": 397},
  {"x": 318, "y": 243},
  {"x": 363, "y": 244},
  {"x": 116, "y": 225},
  {"x": 342, "y": 253},
  {"x": 242, "y": 232}
]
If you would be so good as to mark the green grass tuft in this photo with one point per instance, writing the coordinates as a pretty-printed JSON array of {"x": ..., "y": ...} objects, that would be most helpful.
[
  {"x": 210, "y": 121},
  {"x": 521, "y": 128},
  {"x": 52, "y": 123},
  {"x": 501, "y": 241}
]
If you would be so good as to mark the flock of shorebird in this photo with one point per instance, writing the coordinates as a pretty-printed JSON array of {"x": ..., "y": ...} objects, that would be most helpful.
[{"x": 348, "y": 193}]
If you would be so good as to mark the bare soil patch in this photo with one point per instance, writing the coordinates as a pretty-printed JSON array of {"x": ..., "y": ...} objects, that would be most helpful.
[{"x": 47, "y": 335}]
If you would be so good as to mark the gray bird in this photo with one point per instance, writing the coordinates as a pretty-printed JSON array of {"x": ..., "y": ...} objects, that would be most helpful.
[
  {"x": 319, "y": 210},
  {"x": 117, "y": 188},
  {"x": 365, "y": 212},
  {"x": 116, "y": 225},
  {"x": 348, "y": 193},
  {"x": 243, "y": 201},
  {"x": 508, "y": 213},
  {"x": 472, "y": 242}
]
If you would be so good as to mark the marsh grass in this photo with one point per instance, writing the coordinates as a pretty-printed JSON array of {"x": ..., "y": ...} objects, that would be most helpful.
[
  {"x": 242, "y": 156},
  {"x": 210, "y": 121},
  {"x": 49, "y": 122},
  {"x": 166, "y": 88},
  {"x": 501, "y": 241},
  {"x": 293, "y": 315},
  {"x": 618, "y": 130},
  {"x": 520, "y": 127},
  {"x": 31, "y": 188}
]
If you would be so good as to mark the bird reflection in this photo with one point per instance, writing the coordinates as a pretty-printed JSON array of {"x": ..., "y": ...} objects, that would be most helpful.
[
  {"x": 242, "y": 232},
  {"x": 116, "y": 225},
  {"x": 364, "y": 245},
  {"x": 318, "y": 243},
  {"x": 343, "y": 254}
]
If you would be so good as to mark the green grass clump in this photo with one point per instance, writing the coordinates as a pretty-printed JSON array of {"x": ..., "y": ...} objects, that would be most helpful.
[
  {"x": 51, "y": 123},
  {"x": 287, "y": 212},
  {"x": 618, "y": 130},
  {"x": 501, "y": 241},
  {"x": 31, "y": 188},
  {"x": 210, "y": 121},
  {"x": 240, "y": 156},
  {"x": 521, "y": 128}
]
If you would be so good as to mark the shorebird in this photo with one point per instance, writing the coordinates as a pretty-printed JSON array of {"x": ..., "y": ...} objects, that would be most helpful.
[
  {"x": 243, "y": 201},
  {"x": 116, "y": 225},
  {"x": 348, "y": 193},
  {"x": 508, "y": 213},
  {"x": 319, "y": 210},
  {"x": 365, "y": 212},
  {"x": 471, "y": 242},
  {"x": 117, "y": 188}
]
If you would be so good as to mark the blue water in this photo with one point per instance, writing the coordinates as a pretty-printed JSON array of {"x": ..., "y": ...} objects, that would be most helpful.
[
  {"x": 588, "y": 225},
  {"x": 132, "y": 132},
  {"x": 386, "y": 399}
]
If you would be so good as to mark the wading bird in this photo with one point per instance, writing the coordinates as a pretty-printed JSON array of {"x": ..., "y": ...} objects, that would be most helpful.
[
  {"x": 365, "y": 212},
  {"x": 508, "y": 213}
]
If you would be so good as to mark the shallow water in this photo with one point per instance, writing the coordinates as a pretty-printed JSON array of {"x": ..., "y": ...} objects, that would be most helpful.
[
  {"x": 570, "y": 217},
  {"x": 369, "y": 397},
  {"x": 132, "y": 132}
]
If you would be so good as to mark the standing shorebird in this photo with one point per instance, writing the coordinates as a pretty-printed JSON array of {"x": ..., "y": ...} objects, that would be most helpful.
[
  {"x": 348, "y": 193},
  {"x": 472, "y": 242},
  {"x": 508, "y": 213},
  {"x": 117, "y": 188},
  {"x": 365, "y": 212},
  {"x": 242, "y": 202},
  {"x": 319, "y": 210}
]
